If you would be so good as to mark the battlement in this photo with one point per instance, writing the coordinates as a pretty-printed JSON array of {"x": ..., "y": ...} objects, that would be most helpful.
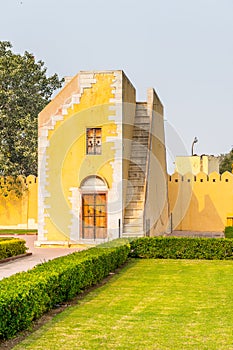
[{"x": 201, "y": 177}]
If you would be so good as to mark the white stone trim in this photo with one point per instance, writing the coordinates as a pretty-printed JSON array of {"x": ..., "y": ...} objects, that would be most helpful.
[
  {"x": 115, "y": 202},
  {"x": 75, "y": 201},
  {"x": 85, "y": 80}
]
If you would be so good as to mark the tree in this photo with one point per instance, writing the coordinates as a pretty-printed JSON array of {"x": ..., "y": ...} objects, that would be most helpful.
[
  {"x": 226, "y": 161},
  {"x": 25, "y": 90}
]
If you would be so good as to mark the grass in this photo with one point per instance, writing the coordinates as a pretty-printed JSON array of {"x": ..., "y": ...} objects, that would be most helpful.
[
  {"x": 150, "y": 304},
  {"x": 17, "y": 232}
]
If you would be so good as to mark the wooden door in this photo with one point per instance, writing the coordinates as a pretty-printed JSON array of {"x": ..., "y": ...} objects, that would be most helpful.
[{"x": 94, "y": 219}]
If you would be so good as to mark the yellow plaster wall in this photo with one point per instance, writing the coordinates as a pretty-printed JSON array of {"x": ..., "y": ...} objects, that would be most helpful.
[
  {"x": 18, "y": 211},
  {"x": 67, "y": 159},
  {"x": 196, "y": 164},
  {"x": 202, "y": 202}
]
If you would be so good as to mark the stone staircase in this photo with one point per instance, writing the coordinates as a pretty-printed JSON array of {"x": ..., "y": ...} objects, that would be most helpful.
[{"x": 135, "y": 196}]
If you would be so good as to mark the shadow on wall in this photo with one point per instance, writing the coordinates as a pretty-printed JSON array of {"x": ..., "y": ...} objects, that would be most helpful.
[{"x": 206, "y": 219}]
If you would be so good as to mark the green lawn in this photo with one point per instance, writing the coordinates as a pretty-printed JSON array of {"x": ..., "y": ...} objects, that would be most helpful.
[
  {"x": 18, "y": 232},
  {"x": 150, "y": 304}
]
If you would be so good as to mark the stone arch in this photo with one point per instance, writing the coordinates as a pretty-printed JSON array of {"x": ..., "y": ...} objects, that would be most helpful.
[{"x": 94, "y": 183}]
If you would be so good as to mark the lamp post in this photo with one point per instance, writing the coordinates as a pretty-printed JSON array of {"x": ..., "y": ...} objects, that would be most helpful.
[{"x": 194, "y": 141}]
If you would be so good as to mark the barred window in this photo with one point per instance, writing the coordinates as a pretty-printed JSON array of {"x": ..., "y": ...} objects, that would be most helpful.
[{"x": 94, "y": 140}]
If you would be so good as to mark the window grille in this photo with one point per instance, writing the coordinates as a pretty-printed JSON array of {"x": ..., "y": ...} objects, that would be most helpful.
[{"x": 94, "y": 140}]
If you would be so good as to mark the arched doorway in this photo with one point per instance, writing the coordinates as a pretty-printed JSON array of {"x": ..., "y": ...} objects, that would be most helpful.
[{"x": 94, "y": 208}]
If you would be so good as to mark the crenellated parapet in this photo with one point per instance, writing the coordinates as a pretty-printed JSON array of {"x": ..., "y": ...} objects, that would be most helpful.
[{"x": 201, "y": 177}]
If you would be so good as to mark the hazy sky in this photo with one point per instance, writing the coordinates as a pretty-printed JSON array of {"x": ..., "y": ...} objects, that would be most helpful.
[{"x": 182, "y": 48}]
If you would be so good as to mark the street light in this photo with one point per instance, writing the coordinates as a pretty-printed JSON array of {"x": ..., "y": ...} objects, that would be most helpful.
[{"x": 194, "y": 141}]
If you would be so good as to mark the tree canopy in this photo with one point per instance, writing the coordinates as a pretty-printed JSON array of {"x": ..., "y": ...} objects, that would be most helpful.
[
  {"x": 25, "y": 90},
  {"x": 226, "y": 162}
]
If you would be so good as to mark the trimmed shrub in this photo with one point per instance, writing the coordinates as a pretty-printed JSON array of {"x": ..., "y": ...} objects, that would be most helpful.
[
  {"x": 27, "y": 295},
  {"x": 5, "y": 238},
  {"x": 182, "y": 248},
  {"x": 229, "y": 232},
  {"x": 11, "y": 247}
]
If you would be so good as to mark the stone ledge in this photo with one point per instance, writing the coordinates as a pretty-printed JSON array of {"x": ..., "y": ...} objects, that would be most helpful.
[{"x": 15, "y": 257}]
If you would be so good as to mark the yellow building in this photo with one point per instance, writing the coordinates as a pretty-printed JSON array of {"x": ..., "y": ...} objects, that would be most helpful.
[
  {"x": 102, "y": 171},
  {"x": 102, "y": 163},
  {"x": 196, "y": 164}
]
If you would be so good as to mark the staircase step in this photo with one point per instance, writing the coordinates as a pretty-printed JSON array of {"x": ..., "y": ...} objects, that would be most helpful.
[
  {"x": 135, "y": 205},
  {"x": 137, "y": 182},
  {"x": 140, "y": 155},
  {"x": 139, "y": 161},
  {"x": 139, "y": 132},
  {"x": 136, "y": 171},
  {"x": 132, "y": 234},
  {"x": 137, "y": 230},
  {"x": 141, "y": 124},
  {"x": 133, "y": 222},
  {"x": 141, "y": 171},
  {"x": 135, "y": 189},
  {"x": 140, "y": 151},
  {"x": 141, "y": 109},
  {"x": 135, "y": 213},
  {"x": 140, "y": 176},
  {"x": 143, "y": 140},
  {"x": 134, "y": 197},
  {"x": 136, "y": 176},
  {"x": 132, "y": 228},
  {"x": 138, "y": 147},
  {"x": 137, "y": 197},
  {"x": 141, "y": 119},
  {"x": 139, "y": 115},
  {"x": 135, "y": 167},
  {"x": 141, "y": 106}
]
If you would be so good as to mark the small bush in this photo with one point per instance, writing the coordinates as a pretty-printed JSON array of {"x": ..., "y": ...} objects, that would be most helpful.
[
  {"x": 27, "y": 295},
  {"x": 229, "y": 232},
  {"x": 182, "y": 248},
  {"x": 11, "y": 247}
]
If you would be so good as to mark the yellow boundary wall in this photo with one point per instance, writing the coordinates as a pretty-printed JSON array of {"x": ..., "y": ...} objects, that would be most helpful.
[
  {"x": 18, "y": 202},
  {"x": 197, "y": 203},
  {"x": 202, "y": 202}
]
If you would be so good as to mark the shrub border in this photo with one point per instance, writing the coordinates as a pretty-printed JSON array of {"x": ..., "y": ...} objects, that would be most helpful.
[
  {"x": 25, "y": 296},
  {"x": 182, "y": 248},
  {"x": 11, "y": 247}
]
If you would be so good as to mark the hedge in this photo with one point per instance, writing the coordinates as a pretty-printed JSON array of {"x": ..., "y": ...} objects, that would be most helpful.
[
  {"x": 182, "y": 248},
  {"x": 11, "y": 247},
  {"x": 27, "y": 295}
]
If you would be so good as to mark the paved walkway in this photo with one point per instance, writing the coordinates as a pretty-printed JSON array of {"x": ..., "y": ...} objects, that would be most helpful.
[{"x": 39, "y": 255}]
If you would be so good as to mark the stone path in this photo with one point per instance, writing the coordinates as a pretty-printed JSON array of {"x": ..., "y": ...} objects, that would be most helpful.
[{"x": 39, "y": 255}]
